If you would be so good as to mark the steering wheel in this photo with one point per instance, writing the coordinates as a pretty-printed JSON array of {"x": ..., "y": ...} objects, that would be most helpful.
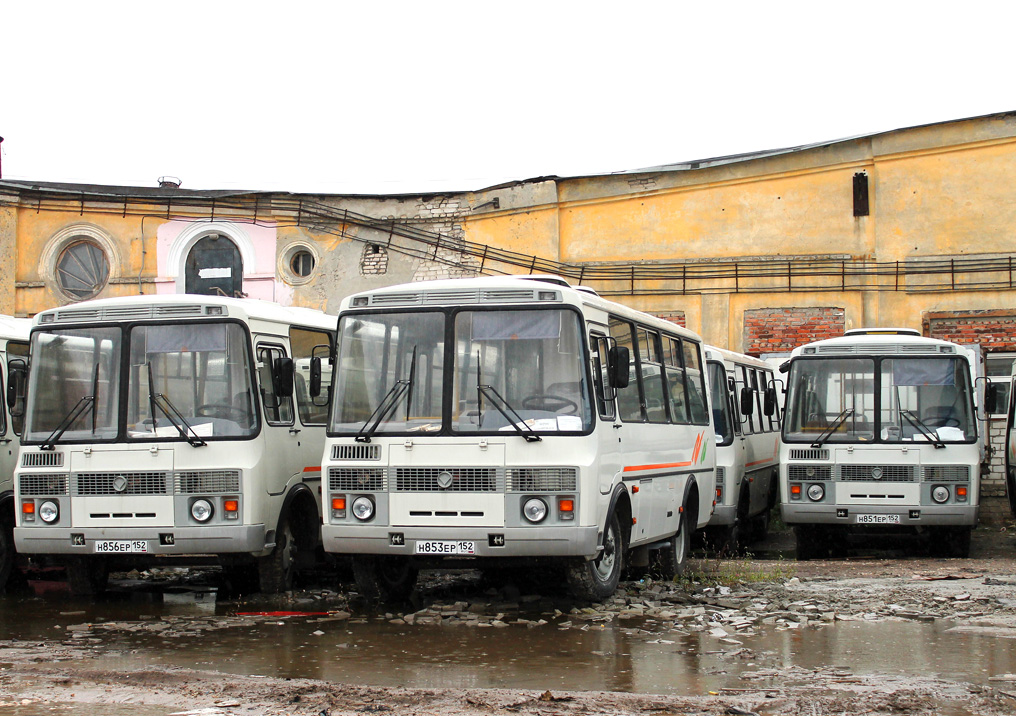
[
  {"x": 222, "y": 410},
  {"x": 949, "y": 422},
  {"x": 550, "y": 403}
]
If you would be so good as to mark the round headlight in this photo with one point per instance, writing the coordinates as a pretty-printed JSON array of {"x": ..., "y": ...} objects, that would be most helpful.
[
  {"x": 363, "y": 508},
  {"x": 815, "y": 492},
  {"x": 940, "y": 494},
  {"x": 535, "y": 510},
  {"x": 49, "y": 512},
  {"x": 201, "y": 510}
]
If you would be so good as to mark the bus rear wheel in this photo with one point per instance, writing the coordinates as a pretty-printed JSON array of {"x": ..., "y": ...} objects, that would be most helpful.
[
  {"x": 87, "y": 576},
  {"x": 597, "y": 579},
  {"x": 382, "y": 578},
  {"x": 669, "y": 562},
  {"x": 275, "y": 572}
]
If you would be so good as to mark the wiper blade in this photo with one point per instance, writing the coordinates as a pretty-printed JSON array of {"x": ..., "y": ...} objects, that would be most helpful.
[
  {"x": 832, "y": 428},
  {"x": 927, "y": 432},
  {"x": 497, "y": 401},
  {"x": 68, "y": 420},
  {"x": 389, "y": 404},
  {"x": 163, "y": 403}
]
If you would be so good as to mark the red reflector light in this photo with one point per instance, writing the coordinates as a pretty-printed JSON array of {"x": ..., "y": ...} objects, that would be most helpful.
[
  {"x": 231, "y": 505},
  {"x": 961, "y": 491},
  {"x": 28, "y": 508},
  {"x": 795, "y": 489},
  {"x": 565, "y": 505},
  {"x": 338, "y": 503},
  {"x": 634, "y": 489}
]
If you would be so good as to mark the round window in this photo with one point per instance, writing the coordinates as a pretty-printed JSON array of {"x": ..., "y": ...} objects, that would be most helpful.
[
  {"x": 301, "y": 263},
  {"x": 82, "y": 269}
]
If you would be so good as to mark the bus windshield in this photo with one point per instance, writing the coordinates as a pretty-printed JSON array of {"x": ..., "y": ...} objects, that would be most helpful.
[
  {"x": 514, "y": 370},
  {"x": 184, "y": 382},
  {"x": 883, "y": 400},
  {"x": 723, "y": 426}
]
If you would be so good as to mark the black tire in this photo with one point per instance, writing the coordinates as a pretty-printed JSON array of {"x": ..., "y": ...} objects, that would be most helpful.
[
  {"x": 87, "y": 576},
  {"x": 812, "y": 542},
  {"x": 670, "y": 562},
  {"x": 7, "y": 553},
  {"x": 275, "y": 572},
  {"x": 760, "y": 526},
  {"x": 597, "y": 579},
  {"x": 384, "y": 579},
  {"x": 960, "y": 542}
]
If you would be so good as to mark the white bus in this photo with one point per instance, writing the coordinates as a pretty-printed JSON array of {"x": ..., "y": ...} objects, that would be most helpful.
[
  {"x": 746, "y": 420},
  {"x": 177, "y": 425},
  {"x": 13, "y": 346},
  {"x": 513, "y": 417},
  {"x": 881, "y": 431}
]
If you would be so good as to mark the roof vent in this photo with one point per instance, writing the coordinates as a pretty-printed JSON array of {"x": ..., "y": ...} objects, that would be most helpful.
[{"x": 168, "y": 182}]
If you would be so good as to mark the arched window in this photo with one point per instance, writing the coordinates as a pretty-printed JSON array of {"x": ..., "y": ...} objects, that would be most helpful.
[{"x": 82, "y": 269}]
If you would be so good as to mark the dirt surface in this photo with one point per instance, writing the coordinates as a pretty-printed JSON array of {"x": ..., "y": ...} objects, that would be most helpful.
[{"x": 50, "y": 675}]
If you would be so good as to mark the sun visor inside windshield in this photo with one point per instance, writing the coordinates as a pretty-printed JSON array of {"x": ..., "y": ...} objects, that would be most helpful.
[
  {"x": 186, "y": 339},
  {"x": 503, "y": 326},
  {"x": 923, "y": 371}
]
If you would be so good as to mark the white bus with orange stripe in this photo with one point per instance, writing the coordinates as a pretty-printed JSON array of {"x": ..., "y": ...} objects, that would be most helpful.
[
  {"x": 174, "y": 426},
  {"x": 479, "y": 420},
  {"x": 746, "y": 419}
]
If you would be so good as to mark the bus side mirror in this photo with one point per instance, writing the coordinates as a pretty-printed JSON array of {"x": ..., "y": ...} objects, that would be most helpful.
[
  {"x": 17, "y": 382},
  {"x": 769, "y": 401},
  {"x": 746, "y": 400},
  {"x": 315, "y": 377},
  {"x": 991, "y": 398},
  {"x": 620, "y": 366},
  {"x": 282, "y": 377}
]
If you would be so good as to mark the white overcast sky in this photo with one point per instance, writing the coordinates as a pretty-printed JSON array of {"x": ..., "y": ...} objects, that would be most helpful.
[{"x": 404, "y": 97}]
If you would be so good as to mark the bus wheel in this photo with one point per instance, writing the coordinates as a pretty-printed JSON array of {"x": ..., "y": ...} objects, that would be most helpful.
[
  {"x": 669, "y": 562},
  {"x": 960, "y": 542},
  {"x": 275, "y": 572},
  {"x": 7, "y": 554},
  {"x": 87, "y": 576},
  {"x": 597, "y": 579},
  {"x": 381, "y": 578},
  {"x": 811, "y": 542},
  {"x": 950, "y": 542}
]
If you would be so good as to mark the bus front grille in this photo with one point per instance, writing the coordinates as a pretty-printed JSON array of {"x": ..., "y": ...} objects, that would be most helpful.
[
  {"x": 42, "y": 485},
  {"x": 120, "y": 483},
  {"x": 206, "y": 482},
  {"x": 450, "y": 479},
  {"x": 802, "y": 473},
  {"x": 351, "y": 479},
  {"x": 878, "y": 473},
  {"x": 946, "y": 473},
  {"x": 542, "y": 479}
]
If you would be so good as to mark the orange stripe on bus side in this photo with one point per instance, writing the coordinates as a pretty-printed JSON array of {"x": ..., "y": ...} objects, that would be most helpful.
[
  {"x": 312, "y": 469},
  {"x": 636, "y": 468}
]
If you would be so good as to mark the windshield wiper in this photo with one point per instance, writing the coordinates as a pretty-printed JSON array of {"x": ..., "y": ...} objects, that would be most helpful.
[
  {"x": 927, "y": 432},
  {"x": 390, "y": 403},
  {"x": 832, "y": 428},
  {"x": 72, "y": 415},
  {"x": 172, "y": 414},
  {"x": 497, "y": 401}
]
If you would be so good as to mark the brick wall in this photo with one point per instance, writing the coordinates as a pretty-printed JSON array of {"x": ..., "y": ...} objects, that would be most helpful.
[
  {"x": 779, "y": 330},
  {"x": 995, "y": 330},
  {"x": 374, "y": 260},
  {"x": 674, "y": 317}
]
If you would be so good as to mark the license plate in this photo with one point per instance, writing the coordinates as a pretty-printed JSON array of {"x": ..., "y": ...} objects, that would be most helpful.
[
  {"x": 445, "y": 547},
  {"x": 121, "y": 546},
  {"x": 878, "y": 519}
]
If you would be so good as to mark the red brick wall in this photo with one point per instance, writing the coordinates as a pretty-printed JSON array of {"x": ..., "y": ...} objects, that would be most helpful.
[
  {"x": 674, "y": 317},
  {"x": 995, "y": 330},
  {"x": 779, "y": 330}
]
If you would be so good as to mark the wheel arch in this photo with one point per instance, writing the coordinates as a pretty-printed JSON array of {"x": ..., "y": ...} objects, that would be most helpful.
[
  {"x": 691, "y": 502},
  {"x": 301, "y": 508},
  {"x": 620, "y": 501}
]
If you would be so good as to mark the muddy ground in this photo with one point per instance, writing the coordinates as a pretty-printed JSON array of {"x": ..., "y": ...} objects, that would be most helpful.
[{"x": 725, "y": 598}]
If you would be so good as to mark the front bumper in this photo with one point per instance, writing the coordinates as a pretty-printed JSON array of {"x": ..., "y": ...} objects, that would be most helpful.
[
  {"x": 570, "y": 541},
  {"x": 210, "y": 540},
  {"x": 927, "y": 515}
]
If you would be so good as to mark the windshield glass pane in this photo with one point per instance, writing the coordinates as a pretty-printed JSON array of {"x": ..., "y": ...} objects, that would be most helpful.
[
  {"x": 74, "y": 369},
  {"x": 924, "y": 396},
  {"x": 199, "y": 373},
  {"x": 532, "y": 362},
  {"x": 390, "y": 371},
  {"x": 830, "y": 392},
  {"x": 722, "y": 424}
]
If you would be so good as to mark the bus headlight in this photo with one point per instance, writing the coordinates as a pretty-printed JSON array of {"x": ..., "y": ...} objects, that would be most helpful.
[
  {"x": 201, "y": 510},
  {"x": 940, "y": 494},
  {"x": 535, "y": 510},
  {"x": 363, "y": 508},
  {"x": 815, "y": 492},
  {"x": 49, "y": 512}
]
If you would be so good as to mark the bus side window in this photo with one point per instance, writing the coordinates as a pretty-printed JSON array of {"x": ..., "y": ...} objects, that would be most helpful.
[
  {"x": 748, "y": 376},
  {"x": 675, "y": 381},
  {"x": 604, "y": 402},
  {"x": 652, "y": 376},
  {"x": 760, "y": 385},
  {"x": 307, "y": 345},
  {"x": 695, "y": 379},
  {"x": 15, "y": 351},
  {"x": 629, "y": 402},
  {"x": 278, "y": 408}
]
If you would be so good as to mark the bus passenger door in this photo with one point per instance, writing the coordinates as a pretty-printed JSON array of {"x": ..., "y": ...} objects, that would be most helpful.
[
  {"x": 282, "y": 457},
  {"x": 609, "y": 431}
]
